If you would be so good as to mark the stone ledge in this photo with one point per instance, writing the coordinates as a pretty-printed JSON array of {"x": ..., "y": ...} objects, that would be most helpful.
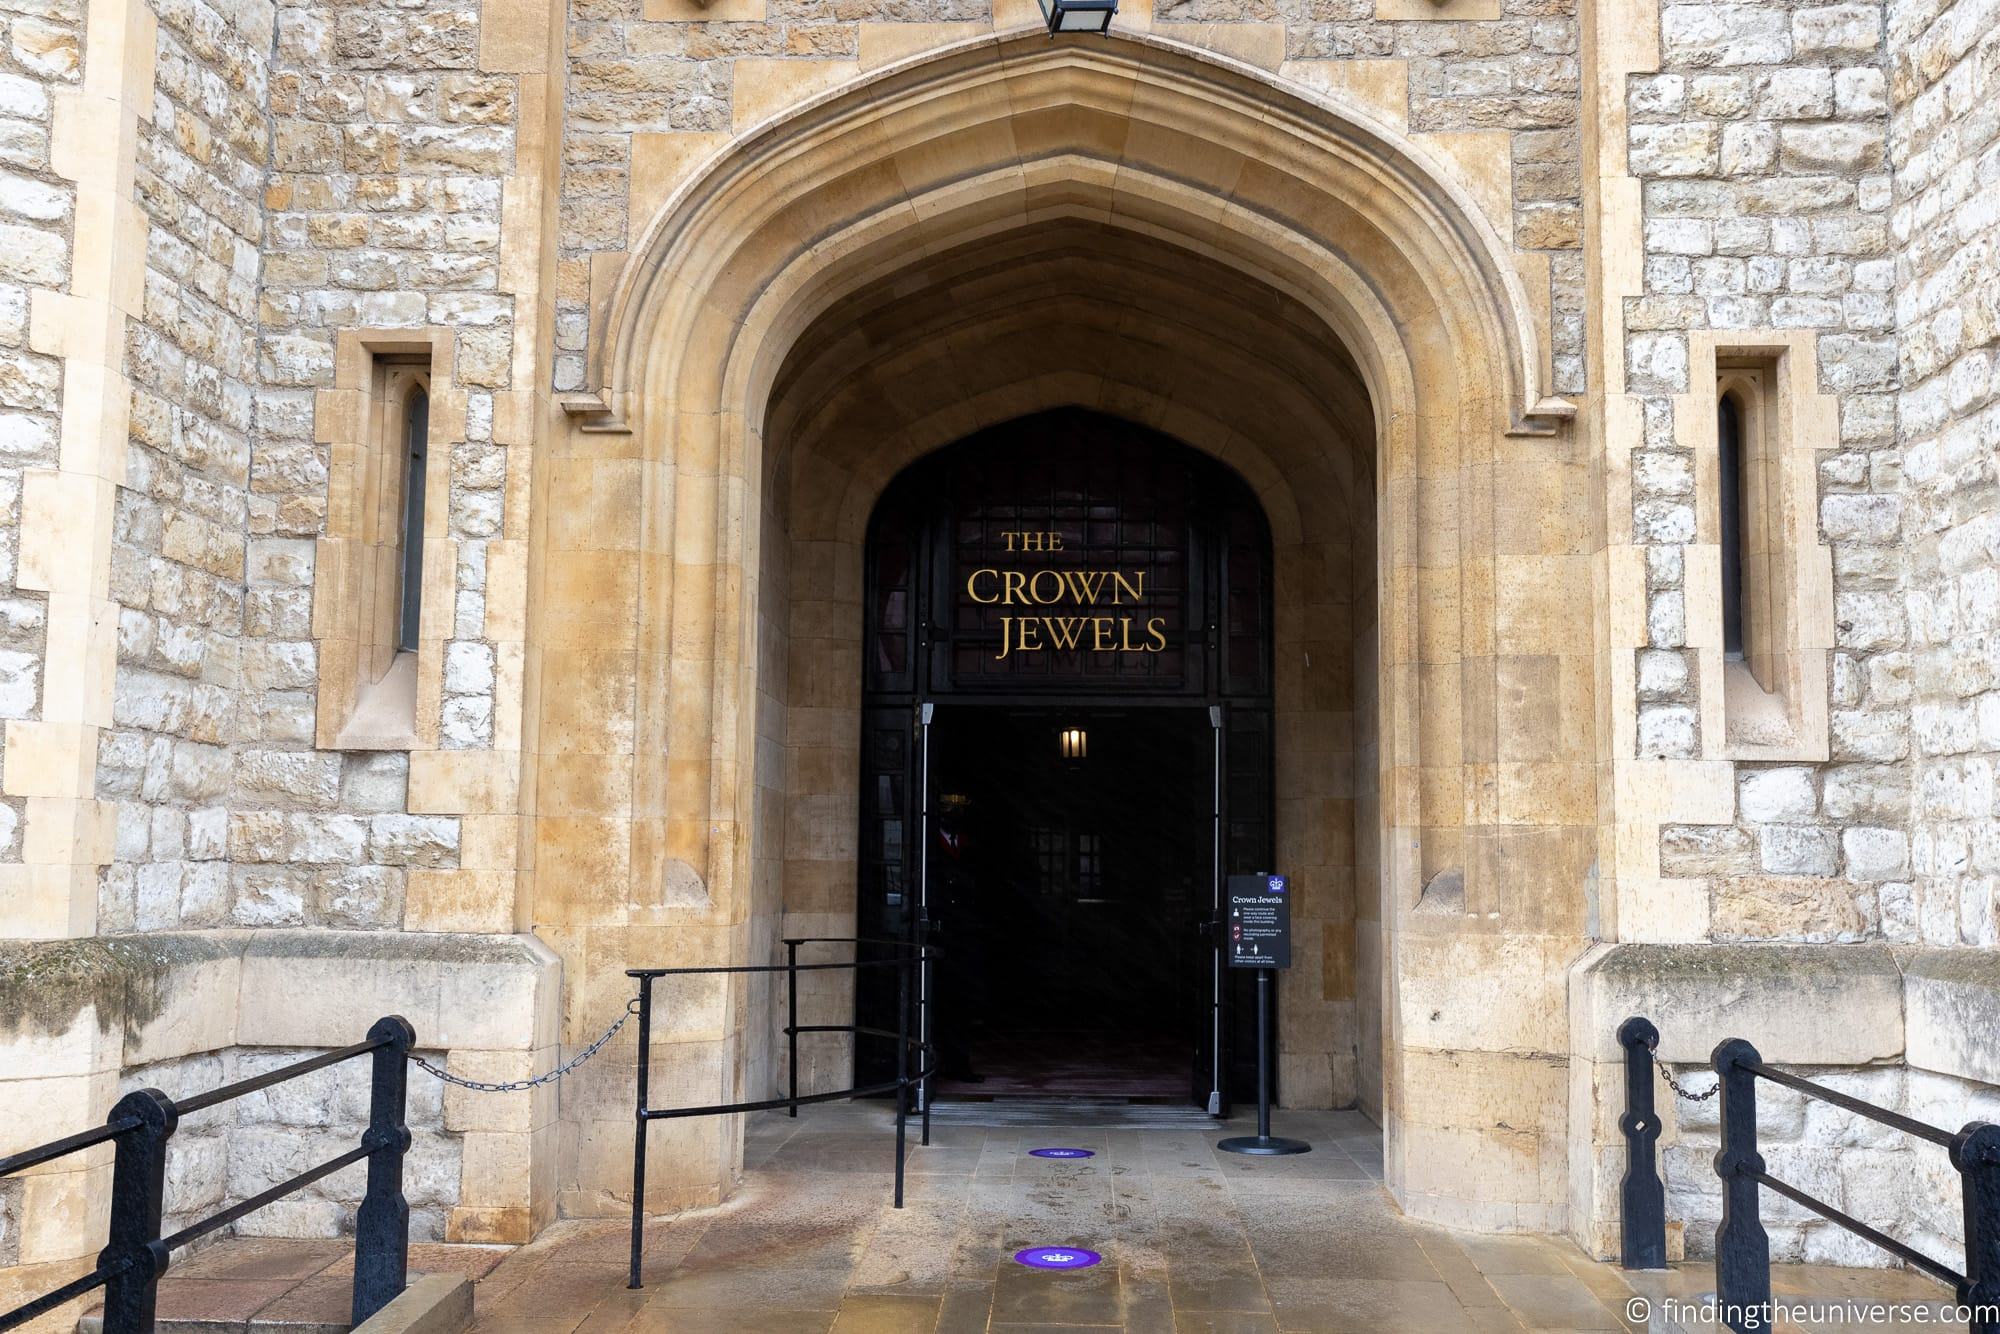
[
  {"x": 1799, "y": 1004},
  {"x": 433, "y": 1304},
  {"x": 108, "y": 1002},
  {"x": 489, "y": 993},
  {"x": 73, "y": 1007},
  {"x": 1951, "y": 1002}
]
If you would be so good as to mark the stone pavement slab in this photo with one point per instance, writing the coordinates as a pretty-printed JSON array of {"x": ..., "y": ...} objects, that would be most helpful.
[
  {"x": 283, "y": 1285},
  {"x": 1192, "y": 1240}
]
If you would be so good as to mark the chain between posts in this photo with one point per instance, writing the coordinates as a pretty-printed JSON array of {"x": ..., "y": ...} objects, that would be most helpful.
[
  {"x": 1686, "y": 1094},
  {"x": 520, "y": 1085}
]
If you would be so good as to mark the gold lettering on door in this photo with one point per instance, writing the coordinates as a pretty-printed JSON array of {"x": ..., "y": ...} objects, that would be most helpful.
[{"x": 1096, "y": 632}]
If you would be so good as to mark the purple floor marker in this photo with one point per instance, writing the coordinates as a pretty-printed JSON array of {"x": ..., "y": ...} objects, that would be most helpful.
[
  {"x": 1057, "y": 1257},
  {"x": 1062, "y": 1153}
]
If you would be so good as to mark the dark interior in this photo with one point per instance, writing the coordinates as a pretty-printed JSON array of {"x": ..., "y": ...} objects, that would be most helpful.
[
  {"x": 1067, "y": 570},
  {"x": 1067, "y": 894}
]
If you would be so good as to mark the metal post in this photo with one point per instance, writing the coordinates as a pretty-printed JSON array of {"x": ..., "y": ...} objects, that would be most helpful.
[
  {"x": 138, "y": 1194},
  {"x": 382, "y": 1224},
  {"x": 792, "y": 1024},
  {"x": 902, "y": 1069},
  {"x": 1263, "y": 1143},
  {"x": 1218, "y": 1083},
  {"x": 927, "y": 1035},
  {"x": 1742, "y": 1248},
  {"x": 644, "y": 1083},
  {"x": 927, "y": 1040},
  {"x": 1263, "y": 1053},
  {"x": 1642, "y": 1195},
  {"x": 1975, "y": 1152}
]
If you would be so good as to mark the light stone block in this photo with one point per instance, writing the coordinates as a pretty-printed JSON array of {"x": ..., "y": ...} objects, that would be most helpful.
[
  {"x": 183, "y": 996},
  {"x": 1418, "y": 11},
  {"x": 694, "y": 11},
  {"x": 494, "y": 993},
  {"x": 885, "y": 43},
  {"x": 1953, "y": 1000},
  {"x": 764, "y": 88},
  {"x": 1798, "y": 1004},
  {"x": 1381, "y": 87}
]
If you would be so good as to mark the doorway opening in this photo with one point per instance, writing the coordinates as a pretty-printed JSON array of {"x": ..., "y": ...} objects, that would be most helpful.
[
  {"x": 1069, "y": 887},
  {"x": 1067, "y": 748}
]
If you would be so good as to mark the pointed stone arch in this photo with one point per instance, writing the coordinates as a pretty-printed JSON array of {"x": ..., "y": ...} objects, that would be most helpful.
[{"x": 1135, "y": 144}]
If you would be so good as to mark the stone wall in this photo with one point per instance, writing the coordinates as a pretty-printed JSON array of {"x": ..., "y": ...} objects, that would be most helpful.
[
  {"x": 1901, "y": 1185},
  {"x": 390, "y": 149},
  {"x": 39, "y": 58},
  {"x": 351, "y": 180},
  {"x": 1803, "y": 176},
  {"x": 1826, "y": 168},
  {"x": 186, "y": 1011},
  {"x": 1473, "y": 72},
  {"x": 186, "y": 691},
  {"x": 231, "y": 1152},
  {"x": 1760, "y": 147},
  {"x": 1944, "y": 82}
]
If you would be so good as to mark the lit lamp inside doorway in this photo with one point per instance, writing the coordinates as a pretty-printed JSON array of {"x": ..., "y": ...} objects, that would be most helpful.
[
  {"x": 1079, "y": 15},
  {"x": 1075, "y": 745}
]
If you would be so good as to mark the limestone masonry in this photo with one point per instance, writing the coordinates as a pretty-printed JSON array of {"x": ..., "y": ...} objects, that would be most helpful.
[{"x": 299, "y": 733}]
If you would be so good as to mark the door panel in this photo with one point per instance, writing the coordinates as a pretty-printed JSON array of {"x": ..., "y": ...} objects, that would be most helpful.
[
  {"x": 887, "y": 857},
  {"x": 1247, "y": 809},
  {"x": 1211, "y": 1059}
]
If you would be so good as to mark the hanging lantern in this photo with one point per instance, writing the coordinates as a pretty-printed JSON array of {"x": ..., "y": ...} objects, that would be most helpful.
[{"x": 1078, "y": 15}]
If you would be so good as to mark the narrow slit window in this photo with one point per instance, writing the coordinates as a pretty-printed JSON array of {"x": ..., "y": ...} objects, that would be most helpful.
[
  {"x": 377, "y": 651},
  {"x": 1729, "y": 467},
  {"x": 416, "y": 438},
  {"x": 1760, "y": 619}
]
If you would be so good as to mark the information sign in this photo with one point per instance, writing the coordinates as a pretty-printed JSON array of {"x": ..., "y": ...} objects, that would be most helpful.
[{"x": 1260, "y": 921}]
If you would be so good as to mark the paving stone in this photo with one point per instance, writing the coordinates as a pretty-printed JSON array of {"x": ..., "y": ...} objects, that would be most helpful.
[
  {"x": 266, "y": 1258},
  {"x": 1187, "y": 1246}
]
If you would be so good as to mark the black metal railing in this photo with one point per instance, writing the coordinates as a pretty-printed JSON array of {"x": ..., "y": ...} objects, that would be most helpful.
[
  {"x": 913, "y": 964},
  {"x": 141, "y": 1124},
  {"x": 1742, "y": 1247},
  {"x": 1642, "y": 1196}
]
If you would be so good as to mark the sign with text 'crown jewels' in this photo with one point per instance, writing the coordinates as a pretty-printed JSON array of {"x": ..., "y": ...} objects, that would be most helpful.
[{"x": 1260, "y": 921}]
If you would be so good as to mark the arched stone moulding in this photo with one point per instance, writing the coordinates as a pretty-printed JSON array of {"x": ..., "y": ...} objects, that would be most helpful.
[
  {"x": 984, "y": 140},
  {"x": 1189, "y": 110},
  {"x": 1087, "y": 314}
]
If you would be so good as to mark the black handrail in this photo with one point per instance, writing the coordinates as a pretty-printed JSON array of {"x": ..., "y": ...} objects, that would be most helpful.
[
  {"x": 68, "y": 1144},
  {"x": 136, "y": 1255},
  {"x": 1742, "y": 1247},
  {"x": 793, "y": 1027},
  {"x": 911, "y": 957}
]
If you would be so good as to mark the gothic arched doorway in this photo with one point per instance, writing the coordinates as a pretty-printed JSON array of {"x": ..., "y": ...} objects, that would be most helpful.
[{"x": 1066, "y": 743}]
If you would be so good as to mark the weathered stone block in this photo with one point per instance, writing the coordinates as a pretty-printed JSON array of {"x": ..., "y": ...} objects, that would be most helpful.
[
  {"x": 1776, "y": 795},
  {"x": 1798, "y": 1004},
  {"x": 1797, "y": 849},
  {"x": 1787, "y": 908},
  {"x": 1953, "y": 999}
]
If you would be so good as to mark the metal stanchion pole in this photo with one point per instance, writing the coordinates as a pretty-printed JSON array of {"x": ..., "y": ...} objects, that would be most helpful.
[
  {"x": 1263, "y": 1144},
  {"x": 639, "y": 1124}
]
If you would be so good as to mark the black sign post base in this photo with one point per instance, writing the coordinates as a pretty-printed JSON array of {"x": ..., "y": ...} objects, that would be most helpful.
[{"x": 1263, "y": 1143}]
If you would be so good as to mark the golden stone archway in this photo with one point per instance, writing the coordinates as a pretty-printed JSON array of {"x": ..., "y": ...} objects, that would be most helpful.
[{"x": 1132, "y": 225}]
